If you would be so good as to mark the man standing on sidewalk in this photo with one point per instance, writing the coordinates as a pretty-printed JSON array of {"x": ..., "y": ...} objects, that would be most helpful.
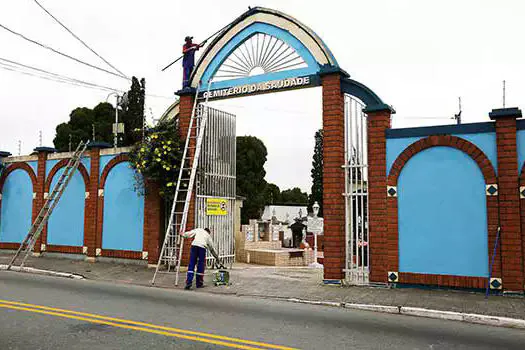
[{"x": 201, "y": 241}]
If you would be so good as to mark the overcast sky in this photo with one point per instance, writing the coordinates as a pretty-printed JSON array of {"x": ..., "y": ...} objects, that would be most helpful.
[{"x": 418, "y": 56}]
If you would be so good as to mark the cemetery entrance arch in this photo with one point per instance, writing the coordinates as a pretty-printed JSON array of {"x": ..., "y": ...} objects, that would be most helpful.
[{"x": 265, "y": 51}]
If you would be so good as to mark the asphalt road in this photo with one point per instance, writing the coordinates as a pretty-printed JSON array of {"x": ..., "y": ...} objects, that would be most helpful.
[{"x": 38, "y": 312}]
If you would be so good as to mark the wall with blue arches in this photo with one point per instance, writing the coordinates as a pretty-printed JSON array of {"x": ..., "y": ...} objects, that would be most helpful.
[
  {"x": 16, "y": 207},
  {"x": 442, "y": 226},
  {"x": 442, "y": 215},
  {"x": 123, "y": 213},
  {"x": 123, "y": 227},
  {"x": 66, "y": 224}
]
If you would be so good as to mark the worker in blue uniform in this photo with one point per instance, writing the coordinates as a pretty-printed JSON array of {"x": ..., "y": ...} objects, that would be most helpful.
[
  {"x": 201, "y": 242},
  {"x": 188, "y": 61}
]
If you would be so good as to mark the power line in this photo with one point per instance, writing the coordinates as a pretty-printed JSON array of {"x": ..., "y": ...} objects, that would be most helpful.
[
  {"x": 47, "y": 75},
  {"x": 54, "y": 79},
  {"x": 76, "y": 37},
  {"x": 60, "y": 53}
]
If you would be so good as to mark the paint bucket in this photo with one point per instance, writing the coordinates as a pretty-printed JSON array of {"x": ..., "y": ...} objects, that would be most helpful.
[{"x": 222, "y": 278}]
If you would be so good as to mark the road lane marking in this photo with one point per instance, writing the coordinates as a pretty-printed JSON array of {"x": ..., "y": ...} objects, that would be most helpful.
[
  {"x": 149, "y": 330},
  {"x": 169, "y": 331}
]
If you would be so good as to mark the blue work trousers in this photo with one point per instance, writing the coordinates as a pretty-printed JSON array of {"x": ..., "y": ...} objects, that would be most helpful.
[
  {"x": 186, "y": 73},
  {"x": 197, "y": 257}
]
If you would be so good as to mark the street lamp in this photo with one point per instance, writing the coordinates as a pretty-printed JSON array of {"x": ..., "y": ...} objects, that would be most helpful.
[{"x": 120, "y": 101}]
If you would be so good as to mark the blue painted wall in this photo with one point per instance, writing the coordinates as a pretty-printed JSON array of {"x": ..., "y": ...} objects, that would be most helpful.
[
  {"x": 394, "y": 147},
  {"x": 123, "y": 225},
  {"x": 104, "y": 160},
  {"x": 66, "y": 225},
  {"x": 442, "y": 215},
  {"x": 49, "y": 165},
  {"x": 484, "y": 141},
  {"x": 86, "y": 161},
  {"x": 520, "y": 139},
  {"x": 17, "y": 203},
  {"x": 34, "y": 165}
]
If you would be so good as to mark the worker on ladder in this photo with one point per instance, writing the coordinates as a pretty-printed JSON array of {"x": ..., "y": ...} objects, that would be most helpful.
[
  {"x": 188, "y": 62},
  {"x": 201, "y": 241}
]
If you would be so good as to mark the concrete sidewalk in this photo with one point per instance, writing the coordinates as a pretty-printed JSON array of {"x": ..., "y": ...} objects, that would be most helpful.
[{"x": 298, "y": 283}]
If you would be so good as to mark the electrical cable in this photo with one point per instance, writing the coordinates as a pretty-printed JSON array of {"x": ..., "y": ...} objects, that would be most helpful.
[
  {"x": 47, "y": 75},
  {"x": 61, "y": 53},
  {"x": 81, "y": 41}
]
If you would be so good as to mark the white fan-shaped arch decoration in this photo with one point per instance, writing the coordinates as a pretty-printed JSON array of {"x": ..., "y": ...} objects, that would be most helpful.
[{"x": 259, "y": 54}]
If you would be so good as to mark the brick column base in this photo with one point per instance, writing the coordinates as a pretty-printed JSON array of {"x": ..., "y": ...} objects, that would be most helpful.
[
  {"x": 378, "y": 123},
  {"x": 509, "y": 202},
  {"x": 333, "y": 178}
]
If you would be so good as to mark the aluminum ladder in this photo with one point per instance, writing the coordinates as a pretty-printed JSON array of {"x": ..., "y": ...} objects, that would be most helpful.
[
  {"x": 50, "y": 204},
  {"x": 171, "y": 252}
]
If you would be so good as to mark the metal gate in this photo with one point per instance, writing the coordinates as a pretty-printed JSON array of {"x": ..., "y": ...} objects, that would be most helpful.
[
  {"x": 356, "y": 193},
  {"x": 215, "y": 182}
]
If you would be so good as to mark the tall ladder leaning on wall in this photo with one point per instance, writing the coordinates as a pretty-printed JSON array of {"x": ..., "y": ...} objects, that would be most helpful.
[
  {"x": 50, "y": 204},
  {"x": 171, "y": 252}
]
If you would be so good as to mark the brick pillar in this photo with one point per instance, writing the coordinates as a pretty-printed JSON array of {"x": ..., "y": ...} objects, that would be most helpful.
[
  {"x": 508, "y": 193},
  {"x": 333, "y": 177},
  {"x": 91, "y": 210},
  {"x": 187, "y": 99},
  {"x": 152, "y": 222},
  {"x": 38, "y": 201},
  {"x": 377, "y": 124}
]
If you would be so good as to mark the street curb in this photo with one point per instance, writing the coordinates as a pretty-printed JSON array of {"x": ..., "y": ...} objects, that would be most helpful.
[
  {"x": 495, "y": 321},
  {"x": 43, "y": 272}
]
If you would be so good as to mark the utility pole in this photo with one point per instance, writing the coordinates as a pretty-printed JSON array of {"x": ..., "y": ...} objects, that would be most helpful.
[
  {"x": 70, "y": 142},
  {"x": 115, "y": 137},
  {"x": 120, "y": 100},
  {"x": 503, "y": 93},
  {"x": 19, "y": 147},
  {"x": 40, "y": 138}
]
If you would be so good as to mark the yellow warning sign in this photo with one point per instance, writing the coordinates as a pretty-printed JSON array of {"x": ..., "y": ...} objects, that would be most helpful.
[{"x": 216, "y": 206}]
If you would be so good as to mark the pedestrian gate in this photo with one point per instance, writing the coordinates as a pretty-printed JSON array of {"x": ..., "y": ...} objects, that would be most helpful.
[
  {"x": 356, "y": 193},
  {"x": 215, "y": 185}
]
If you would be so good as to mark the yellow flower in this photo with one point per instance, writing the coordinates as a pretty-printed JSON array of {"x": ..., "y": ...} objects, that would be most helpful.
[
  {"x": 158, "y": 159},
  {"x": 168, "y": 168},
  {"x": 169, "y": 184}
]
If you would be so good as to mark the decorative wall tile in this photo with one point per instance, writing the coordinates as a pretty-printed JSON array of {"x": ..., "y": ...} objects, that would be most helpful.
[
  {"x": 492, "y": 189},
  {"x": 496, "y": 283},
  {"x": 393, "y": 277},
  {"x": 391, "y": 191}
]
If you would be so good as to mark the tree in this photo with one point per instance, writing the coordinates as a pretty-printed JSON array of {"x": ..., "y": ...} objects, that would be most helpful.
[
  {"x": 317, "y": 173},
  {"x": 272, "y": 194},
  {"x": 294, "y": 196},
  {"x": 133, "y": 114},
  {"x": 251, "y": 156},
  {"x": 83, "y": 120}
]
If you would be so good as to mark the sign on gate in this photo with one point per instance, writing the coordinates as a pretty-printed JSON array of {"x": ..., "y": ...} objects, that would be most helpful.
[{"x": 216, "y": 206}]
